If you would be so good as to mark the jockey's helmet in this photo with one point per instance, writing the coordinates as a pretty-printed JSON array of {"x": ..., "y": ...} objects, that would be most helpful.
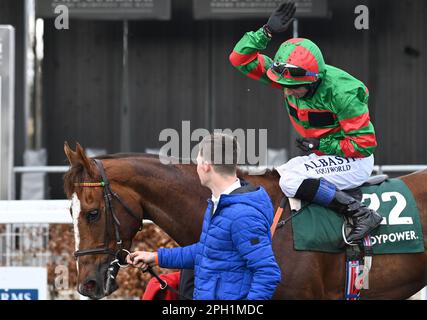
[{"x": 298, "y": 61}]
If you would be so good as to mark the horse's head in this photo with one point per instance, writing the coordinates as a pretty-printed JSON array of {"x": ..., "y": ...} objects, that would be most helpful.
[{"x": 106, "y": 214}]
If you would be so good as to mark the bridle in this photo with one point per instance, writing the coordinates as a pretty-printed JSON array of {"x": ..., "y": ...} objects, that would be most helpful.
[{"x": 110, "y": 212}]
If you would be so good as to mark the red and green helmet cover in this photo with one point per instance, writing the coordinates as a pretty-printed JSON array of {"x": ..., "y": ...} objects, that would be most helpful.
[{"x": 302, "y": 53}]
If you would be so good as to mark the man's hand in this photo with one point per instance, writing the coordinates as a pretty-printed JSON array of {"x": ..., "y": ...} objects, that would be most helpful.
[
  {"x": 308, "y": 145},
  {"x": 281, "y": 18},
  {"x": 142, "y": 259}
]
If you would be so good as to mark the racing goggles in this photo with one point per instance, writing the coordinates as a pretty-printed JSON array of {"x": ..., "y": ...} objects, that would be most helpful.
[{"x": 292, "y": 70}]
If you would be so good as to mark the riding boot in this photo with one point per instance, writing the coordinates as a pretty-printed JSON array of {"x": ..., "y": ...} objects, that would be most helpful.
[
  {"x": 365, "y": 220},
  {"x": 326, "y": 194}
]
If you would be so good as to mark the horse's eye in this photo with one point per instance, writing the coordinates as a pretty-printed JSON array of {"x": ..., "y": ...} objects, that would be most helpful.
[{"x": 92, "y": 215}]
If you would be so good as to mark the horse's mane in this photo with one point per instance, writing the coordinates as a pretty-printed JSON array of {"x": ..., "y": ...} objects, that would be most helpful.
[
  {"x": 126, "y": 155},
  {"x": 77, "y": 173}
]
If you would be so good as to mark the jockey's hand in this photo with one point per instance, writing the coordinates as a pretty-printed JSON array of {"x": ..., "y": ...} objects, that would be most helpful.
[
  {"x": 142, "y": 259},
  {"x": 308, "y": 145},
  {"x": 281, "y": 18}
]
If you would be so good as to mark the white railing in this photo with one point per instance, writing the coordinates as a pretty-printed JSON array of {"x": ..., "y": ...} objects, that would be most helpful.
[
  {"x": 37, "y": 211},
  {"x": 378, "y": 168},
  {"x": 41, "y": 169},
  {"x": 399, "y": 168}
]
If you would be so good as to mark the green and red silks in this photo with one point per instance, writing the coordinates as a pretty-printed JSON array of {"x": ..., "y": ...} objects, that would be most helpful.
[{"x": 338, "y": 111}]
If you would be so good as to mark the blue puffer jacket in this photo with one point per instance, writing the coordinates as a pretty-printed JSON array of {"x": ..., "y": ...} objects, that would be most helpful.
[{"x": 233, "y": 258}]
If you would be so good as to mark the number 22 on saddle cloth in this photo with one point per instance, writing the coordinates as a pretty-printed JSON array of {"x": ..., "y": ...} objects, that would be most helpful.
[{"x": 317, "y": 228}]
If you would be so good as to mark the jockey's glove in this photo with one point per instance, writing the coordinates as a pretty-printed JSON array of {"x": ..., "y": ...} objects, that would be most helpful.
[
  {"x": 308, "y": 144},
  {"x": 280, "y": 19}
]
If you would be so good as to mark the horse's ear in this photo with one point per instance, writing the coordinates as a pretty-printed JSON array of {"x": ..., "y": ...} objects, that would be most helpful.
[
  {"x": 85, "y": 160},
  {"x": 71, "y": 155},
  {"x": 79, "y": 158}
]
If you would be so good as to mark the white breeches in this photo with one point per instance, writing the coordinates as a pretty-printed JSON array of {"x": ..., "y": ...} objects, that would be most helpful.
[{"x": 344, "y": 173}]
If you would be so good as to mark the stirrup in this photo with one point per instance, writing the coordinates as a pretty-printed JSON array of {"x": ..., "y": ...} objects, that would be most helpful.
[{"x": 351, "y": 243}]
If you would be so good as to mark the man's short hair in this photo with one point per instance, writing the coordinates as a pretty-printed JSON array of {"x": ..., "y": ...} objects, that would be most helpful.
[{"x": 222, "y": 151}]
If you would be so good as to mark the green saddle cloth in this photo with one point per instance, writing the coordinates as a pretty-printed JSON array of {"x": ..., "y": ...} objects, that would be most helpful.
[{"x": 316, "y": 228}]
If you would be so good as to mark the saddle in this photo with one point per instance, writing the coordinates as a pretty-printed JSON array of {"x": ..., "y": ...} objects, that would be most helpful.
[
  {"x": 295, "y": 204},
  {"x": 358, "y": 256}
]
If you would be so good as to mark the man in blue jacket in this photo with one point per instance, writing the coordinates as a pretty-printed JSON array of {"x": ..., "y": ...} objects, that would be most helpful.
[{"x": 233, "y": 259}]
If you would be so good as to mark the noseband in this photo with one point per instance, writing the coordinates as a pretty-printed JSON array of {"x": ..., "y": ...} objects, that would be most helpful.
[{"x": 110, "y": 212}]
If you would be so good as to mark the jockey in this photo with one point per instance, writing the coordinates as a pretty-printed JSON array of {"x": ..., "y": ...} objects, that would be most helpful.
[{"x": 329, "y": 110}]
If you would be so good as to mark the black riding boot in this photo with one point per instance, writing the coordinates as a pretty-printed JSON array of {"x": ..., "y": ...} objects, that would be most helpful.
[
  {"x": 365, "y": 219},
  {"x": 326, "y": 194}
]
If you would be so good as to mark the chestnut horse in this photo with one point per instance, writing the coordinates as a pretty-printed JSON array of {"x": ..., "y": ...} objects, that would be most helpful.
[{"x": 172, "y": 197}]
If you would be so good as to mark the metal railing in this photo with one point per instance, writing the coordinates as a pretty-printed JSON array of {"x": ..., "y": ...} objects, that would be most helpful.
[
  {"x": 41, "y": 169},
  {"x": 37, "y": 211},
  {"x": 378, "y": 168}
]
